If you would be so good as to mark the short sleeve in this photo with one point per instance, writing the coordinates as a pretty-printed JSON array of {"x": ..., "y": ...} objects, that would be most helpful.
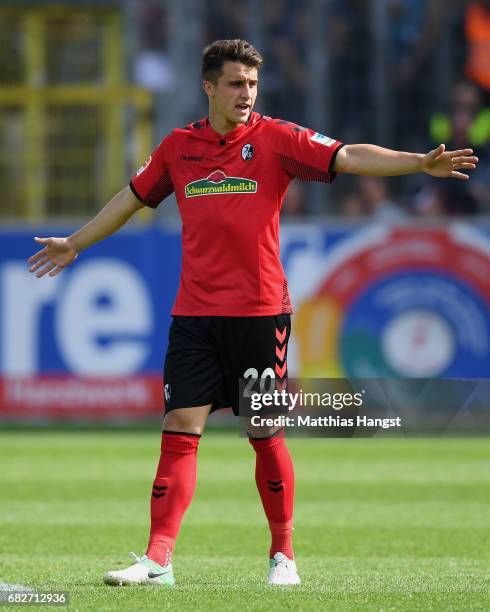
[
  {"x": 152, "y": 183},
  {"x": 304, "y": 153}
]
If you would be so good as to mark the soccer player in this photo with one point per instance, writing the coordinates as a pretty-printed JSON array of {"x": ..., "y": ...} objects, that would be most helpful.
[{"x": 231, "y": 318}]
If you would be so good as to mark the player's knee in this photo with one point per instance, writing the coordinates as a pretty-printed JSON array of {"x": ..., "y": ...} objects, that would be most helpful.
[
  {"x": 189, "y": 420},
  {"x": 263, "y": 431}
]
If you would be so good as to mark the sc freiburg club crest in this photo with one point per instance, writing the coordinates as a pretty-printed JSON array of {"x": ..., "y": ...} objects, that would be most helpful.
[
  {"x": 247, "y": 152},
  {"x": 217, "y": 183}
]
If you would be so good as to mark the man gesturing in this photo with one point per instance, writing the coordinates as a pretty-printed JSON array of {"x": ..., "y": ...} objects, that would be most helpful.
[{"x": 230, "y": 172}]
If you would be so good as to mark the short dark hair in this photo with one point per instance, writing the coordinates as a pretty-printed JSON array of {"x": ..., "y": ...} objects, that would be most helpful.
[{"x": 221, "y": 51}]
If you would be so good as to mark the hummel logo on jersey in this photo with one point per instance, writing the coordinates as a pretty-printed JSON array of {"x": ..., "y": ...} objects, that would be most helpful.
[
  {"x": 217, "y": 183},
  {"x": 247, "y": 152},
  {"x": 191, "y": 157}
]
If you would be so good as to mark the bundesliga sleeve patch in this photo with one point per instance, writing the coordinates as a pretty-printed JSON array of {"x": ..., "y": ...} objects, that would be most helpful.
[
  {"x": 323, "y": 140},
  {"x": 144, "y": 166}
]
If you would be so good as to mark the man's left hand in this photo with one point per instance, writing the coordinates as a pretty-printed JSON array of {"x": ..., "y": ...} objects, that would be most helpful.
[{"x": 446, "y": 164}]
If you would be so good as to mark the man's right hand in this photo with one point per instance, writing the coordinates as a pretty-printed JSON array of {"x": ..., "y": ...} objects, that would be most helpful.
[{"x": 56, "y": 255}]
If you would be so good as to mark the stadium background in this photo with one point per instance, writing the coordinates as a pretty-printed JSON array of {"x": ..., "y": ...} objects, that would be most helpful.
[{"x": 390, "y": 278}]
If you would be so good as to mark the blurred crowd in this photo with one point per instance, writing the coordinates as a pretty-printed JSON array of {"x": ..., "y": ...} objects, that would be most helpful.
[{"x": 426, "y": 61}]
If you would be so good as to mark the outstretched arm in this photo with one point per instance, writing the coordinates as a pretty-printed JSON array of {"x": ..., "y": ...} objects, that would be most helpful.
[
  {"x": 371, "y": 160},
  {"x": 60, "y": 252}
]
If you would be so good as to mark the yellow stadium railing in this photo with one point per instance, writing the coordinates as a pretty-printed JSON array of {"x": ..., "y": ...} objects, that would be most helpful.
[{"x": 75, "y": 143}]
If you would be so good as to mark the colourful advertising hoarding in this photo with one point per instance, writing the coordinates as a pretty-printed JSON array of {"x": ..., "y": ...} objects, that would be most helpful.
[
  {"x": 370, "y": 301},
  {"x": 392, "y": 302}
]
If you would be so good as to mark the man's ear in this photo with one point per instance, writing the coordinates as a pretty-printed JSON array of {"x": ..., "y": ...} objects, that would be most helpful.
[{"x": 208, "y": 88}]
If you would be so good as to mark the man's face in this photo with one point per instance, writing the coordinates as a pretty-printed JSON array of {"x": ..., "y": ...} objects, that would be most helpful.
[{"x": 233, "y": 96}]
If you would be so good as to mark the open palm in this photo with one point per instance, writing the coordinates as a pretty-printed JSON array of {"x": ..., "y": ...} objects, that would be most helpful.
[
  {"x": 447, "y": 164},
  {"x": 56, "y": 255}
]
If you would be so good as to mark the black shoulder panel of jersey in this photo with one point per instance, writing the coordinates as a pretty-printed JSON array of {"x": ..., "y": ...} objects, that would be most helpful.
[{"x": 295, "y": 127}]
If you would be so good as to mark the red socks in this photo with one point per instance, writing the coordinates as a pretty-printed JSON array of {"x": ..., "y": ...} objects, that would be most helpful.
[
  {"x": 173, "y": 489},
  {"x": 274, "y": 475},
  {"x": 175, "y": 482}
]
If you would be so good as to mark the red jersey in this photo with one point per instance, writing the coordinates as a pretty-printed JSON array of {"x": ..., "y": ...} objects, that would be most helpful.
[{"x": 230, "y": 190}]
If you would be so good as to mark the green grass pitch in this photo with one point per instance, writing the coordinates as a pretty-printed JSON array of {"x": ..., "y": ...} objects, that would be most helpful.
[{"x": 381, "y": 524}]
